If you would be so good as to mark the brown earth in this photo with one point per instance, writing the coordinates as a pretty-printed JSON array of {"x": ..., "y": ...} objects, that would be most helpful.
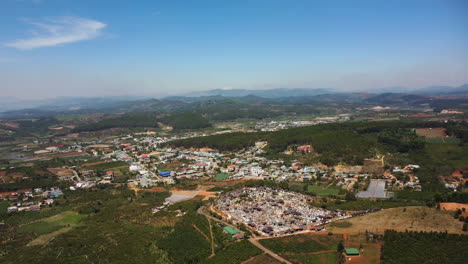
[
  {"x": 454, "y": 207},
  {"x": 412, "y": 218},
  {"x": 431, "y": 132}
]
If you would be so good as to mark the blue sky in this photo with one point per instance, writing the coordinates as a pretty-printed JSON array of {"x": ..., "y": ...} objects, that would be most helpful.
[{"x": 54, "y": 48}]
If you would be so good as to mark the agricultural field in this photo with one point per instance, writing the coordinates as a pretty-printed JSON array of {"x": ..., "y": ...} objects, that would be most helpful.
[
  {"x": 322, "y": 248},
  {"x": 323, "y": 191},
  {"x": 442, "y": 140},
  {"x": 262, "y": 259},
  {"x": 413, "y": 218},
  {"x": 314, "y": 189},
  {"x": 305, "y": 248},
  {"x": 431, "y": 132},
  {"x": 50, "y": 227}
]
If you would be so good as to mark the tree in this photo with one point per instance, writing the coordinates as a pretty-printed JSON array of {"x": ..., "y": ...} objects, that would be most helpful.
[{"x": 340, "y": 247}]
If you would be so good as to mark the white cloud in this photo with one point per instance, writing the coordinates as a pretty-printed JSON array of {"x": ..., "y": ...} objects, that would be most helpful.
[{"x": 57, "y": 31}]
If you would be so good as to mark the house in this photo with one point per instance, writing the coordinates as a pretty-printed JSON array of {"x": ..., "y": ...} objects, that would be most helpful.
[
  {"x": 109, "y": 175},
  {"x": 257, "y": 171},
  {"x": 304, "y": 148},
  {"x": 231, "y": 230},
  {"x": 12, "y": 209},
  {"x": 352, "y": 252},
  {"x": 48, "y": 201},
  {"x": 164, "y": 174},
  {"x": 135, "y": 167}
]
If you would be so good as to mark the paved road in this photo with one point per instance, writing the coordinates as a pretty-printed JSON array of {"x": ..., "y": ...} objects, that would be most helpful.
[{"x": 254, "y": 241}]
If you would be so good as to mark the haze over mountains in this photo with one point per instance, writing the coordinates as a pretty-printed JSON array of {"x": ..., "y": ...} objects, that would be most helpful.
[{"x": 278, "y": 95}]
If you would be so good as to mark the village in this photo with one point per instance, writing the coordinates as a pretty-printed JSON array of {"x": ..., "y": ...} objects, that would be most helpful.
[{"x": 149, "y": 162}]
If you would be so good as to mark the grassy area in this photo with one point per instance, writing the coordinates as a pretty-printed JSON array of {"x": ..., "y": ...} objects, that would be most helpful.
[
  {"x": 302, "y": 243},
  {"x": 323, "y": 191},
  {"x": 362, "y": 204},
  {"x": 322, "y": 258},
  {"x": 3, "y": 207},
  {"x": 109, "y": 165},
  {"x": 262, "y": 259},
  {"x": 414, "y": 218},
  {"x": 222, "y": 176},
  {"x": 53, "y": 223},
  {"x": 235, "y": 253},
  {"x": 442, "y": 140}
]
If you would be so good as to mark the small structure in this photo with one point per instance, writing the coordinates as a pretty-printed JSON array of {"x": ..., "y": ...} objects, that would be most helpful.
[
  {"x": 164, "y": 174},
  {"x": 304, "y": 148},
  {"x": 352, "y": 252},
  {"x": 231, "y": 230}
]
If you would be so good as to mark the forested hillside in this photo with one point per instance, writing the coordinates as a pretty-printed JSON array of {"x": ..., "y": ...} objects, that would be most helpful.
[{"x": 418, "y": 247}]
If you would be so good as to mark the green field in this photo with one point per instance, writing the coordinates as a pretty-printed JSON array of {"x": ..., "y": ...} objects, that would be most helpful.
[
  {"x": 442, "y": 140},
  {"x": 221, "y": 176},
  {"x": 304, "y": 243},
  {"x": 322, "y": 191},
  {"x": 322, "y": 258},
  {"x": 53, "y": 223}
]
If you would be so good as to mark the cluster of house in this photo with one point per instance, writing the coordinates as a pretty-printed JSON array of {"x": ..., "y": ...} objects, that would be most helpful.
[
  {"x": 26, "y": 201},
  {"x": 279, "y": 125},
  {"x": 409, "y": 180},
  {"x": 274, "y": 211}
]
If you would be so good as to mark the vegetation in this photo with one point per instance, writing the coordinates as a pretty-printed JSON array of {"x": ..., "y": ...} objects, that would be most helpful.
[
  {"x": 128, "y": 120},
  {"x": 186, "y": 121},
  {"x": 419, "y": 247},
  {"x": 305, "y": 243}
]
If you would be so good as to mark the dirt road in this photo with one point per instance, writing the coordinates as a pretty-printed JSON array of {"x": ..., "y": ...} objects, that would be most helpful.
[{"x": 255, "y": 242}]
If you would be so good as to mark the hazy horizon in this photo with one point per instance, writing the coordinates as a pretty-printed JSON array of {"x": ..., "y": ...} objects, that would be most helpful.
[{"x": 54, "y": 48}]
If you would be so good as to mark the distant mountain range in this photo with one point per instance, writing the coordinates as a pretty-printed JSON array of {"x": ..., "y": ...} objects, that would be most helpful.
[
  {"x": 395, "y": 96},
  {"x": 269, "y": 93}
]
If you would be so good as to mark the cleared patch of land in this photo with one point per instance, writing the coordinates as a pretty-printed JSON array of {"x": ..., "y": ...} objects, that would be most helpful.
[
  {"x": 413, "y": 218},
  {"x": 454, "y": 207},
  {"x": 50, "y": 227},
  {"x": 431, "y": 132}
]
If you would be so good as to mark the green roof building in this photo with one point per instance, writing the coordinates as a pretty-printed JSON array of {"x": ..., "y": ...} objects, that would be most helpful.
[
  {"x": 231, "y": 230},
  {"x": 352, "y": 251}
]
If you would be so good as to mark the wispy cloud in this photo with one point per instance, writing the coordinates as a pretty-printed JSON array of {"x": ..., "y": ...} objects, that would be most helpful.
[{"x": 58, "y": 31}]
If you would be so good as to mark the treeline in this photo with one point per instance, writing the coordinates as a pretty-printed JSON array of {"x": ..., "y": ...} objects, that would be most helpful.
[
  {"x": 420, "y": 247},
  {"x": 223, "y": 142},
  {"x": 128, "y": 120},
  {"x": 459, "y": 130},
  {"x": 187, "y": 120}
]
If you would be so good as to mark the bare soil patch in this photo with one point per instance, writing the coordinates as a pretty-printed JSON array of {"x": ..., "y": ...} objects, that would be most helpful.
[
  {"x": 431, "y": 132},
  {"x": 454, "y": 207},
  {"x": 414, "y": 218}
]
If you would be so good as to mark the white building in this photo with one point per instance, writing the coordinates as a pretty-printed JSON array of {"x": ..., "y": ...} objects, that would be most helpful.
[{"x": 257, "y": 170}]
